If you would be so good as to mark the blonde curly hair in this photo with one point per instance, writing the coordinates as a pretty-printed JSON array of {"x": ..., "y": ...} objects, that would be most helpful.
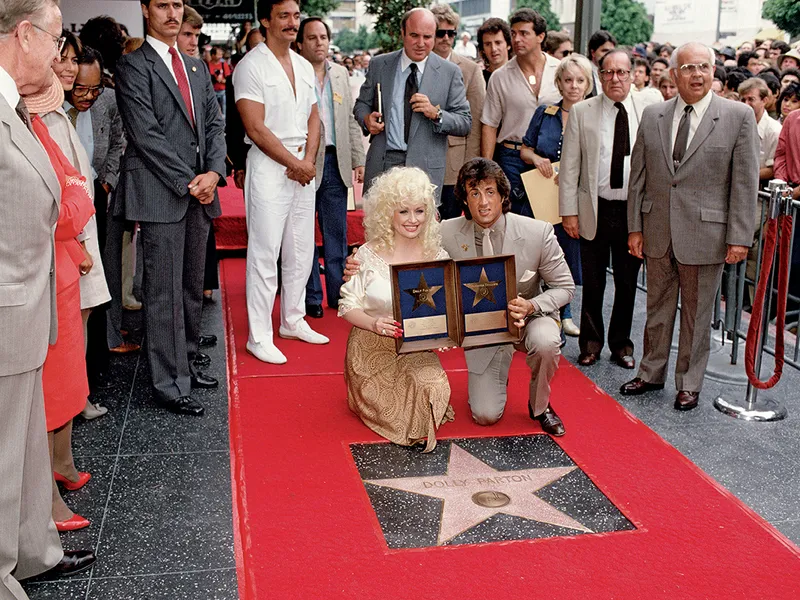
[{"x": 400, "y": 187}]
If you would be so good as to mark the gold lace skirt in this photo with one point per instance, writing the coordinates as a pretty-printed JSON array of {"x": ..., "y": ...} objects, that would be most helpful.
[{"x": 402, "y": 397}]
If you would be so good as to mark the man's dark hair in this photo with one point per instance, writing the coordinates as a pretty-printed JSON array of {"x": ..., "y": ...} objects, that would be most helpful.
[
  {"x": 783, "y": 47},
  {"x": 773, "y": 83},
  {"x": 663, "y": 61},
  {"x": 614, "y": 51},
  {"x": 554, "y": 40},
  {"x": 734, "y": 80},
  {"x": 89, "y": 56},
  {"x": 480, "y": 169},
  {"x": 640, "y": 62},
  {"x": 304, "y": 22},
  {"x": 104, "y": 35},
  {"x": 528, "y": 15},
  {"x": 721, "y": 73},
  {"x": 772, "y": 71},
  {"x": 598, "y": 39},
  {"x": 744, "y": 58},
  {"x": 790, "y": 71},
  {"x": 494, "y": 25},
  {"x": 264, "y": 8}
]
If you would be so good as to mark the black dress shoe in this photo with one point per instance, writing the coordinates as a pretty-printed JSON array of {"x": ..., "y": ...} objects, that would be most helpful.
[
  {"x": 206, "y": 341},
  {"x": 587, "y": 359},
  {"x": 74, "y": 561},
  {"x": 637, "y": 386},
  {"x": 551, "y": 423},
  {"x": 201, "y": 360},
  {"x": 686, "y": 400},
  {"x": 314, "y": 311},
  {"x": 182, "y": 406},
  {"x": 625, "y": 361},
  {"x": 204, "y": 382}
]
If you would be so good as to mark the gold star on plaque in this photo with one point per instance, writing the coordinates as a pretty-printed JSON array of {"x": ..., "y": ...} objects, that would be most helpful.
[
  {"x": 423, "y": 293},
  {"x": 483, "y": 288}
]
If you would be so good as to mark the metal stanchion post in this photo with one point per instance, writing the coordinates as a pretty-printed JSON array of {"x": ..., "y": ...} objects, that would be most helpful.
[{"x": 755, "y": 408}]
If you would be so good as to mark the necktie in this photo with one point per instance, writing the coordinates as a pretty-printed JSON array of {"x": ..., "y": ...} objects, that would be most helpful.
[
  {"x": 23, "y": 114},
  {"x": 488, "y": 247},
  {"x": 72, "y": 113},
  {"x": 183, "y": 82},
  {"x": 682, "y": 139},
  {"x": 411, "y": 88},
  {"x": 621, "y": 147}
]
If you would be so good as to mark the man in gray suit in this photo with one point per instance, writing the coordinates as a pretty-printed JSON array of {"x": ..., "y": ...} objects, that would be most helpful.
[
  {"x": 29, "y": 544},
  {"x": 691, "y": 208},
  {"x": 173, "y": 161},
  {"x": 422, "y": 101}
]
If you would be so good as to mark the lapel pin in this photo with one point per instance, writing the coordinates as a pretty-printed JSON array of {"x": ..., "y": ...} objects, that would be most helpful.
[
  {"x": 464, "y": 247},
  {"x": 194, "y": 69}
]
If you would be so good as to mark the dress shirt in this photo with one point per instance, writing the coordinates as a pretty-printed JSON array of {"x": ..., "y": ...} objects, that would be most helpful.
[
  {"x": 700, "y": 107},
  {"x": 395, "y": 134},
  {"x": 163, "y": 51},
  {"x": 607, "y": 144},
  {"x": 769, "y": 130},
  {"x": 497, "y": 236},
  {"x": 8, "y": 88},
  {"x": 325, "y": 104},
  {"x": 83, "y": 125}
]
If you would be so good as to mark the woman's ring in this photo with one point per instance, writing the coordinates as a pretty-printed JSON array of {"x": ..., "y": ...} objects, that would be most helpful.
[{"x": 383, "y": 331}]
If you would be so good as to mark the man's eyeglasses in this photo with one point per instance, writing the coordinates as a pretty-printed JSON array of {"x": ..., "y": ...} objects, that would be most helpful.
[
  {"x": 608, "y": 74},
  {"x": 691, "y": 68},
  {"x": 59, "y": 41},
  {"x": 83, "y": 90},
  {"x": 442, "y": 33}
]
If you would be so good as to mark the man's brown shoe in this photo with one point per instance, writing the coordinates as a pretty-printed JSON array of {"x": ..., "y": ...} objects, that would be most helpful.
[
  {"x": 638, "y": 386},
  {"x": 587, "y": 359},
  {"x": 626, "y": 361},
  {"x": 686, "y": 400},
  {"x": 125, "y": 348},
  {"x": 551, "y": 423}
]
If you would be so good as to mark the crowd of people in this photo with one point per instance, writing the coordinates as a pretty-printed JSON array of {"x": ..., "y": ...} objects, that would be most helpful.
[{"x": 119, "y": 144}]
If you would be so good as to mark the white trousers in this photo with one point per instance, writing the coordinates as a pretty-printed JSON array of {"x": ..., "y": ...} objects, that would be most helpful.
[{"x": 280, "y": 222}]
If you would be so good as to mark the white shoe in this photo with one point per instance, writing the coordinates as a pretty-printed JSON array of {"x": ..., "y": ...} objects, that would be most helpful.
[
  {"x": 304, "y": 333},
  {"x": 267, "y": 353},
  {"x": 570, "y": 328}
]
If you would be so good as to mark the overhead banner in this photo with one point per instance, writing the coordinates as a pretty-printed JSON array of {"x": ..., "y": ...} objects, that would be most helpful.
[{"x": 225, "y": 11}]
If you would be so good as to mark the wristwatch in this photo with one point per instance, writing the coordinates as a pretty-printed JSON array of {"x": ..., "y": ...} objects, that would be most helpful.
[{"x": 438, "y": 119}]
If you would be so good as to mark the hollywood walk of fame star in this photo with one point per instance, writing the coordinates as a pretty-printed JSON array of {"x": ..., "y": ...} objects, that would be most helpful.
[
  {"x": 423, "y": 293},
  {"x": 483, "y": 288},
  {"x": 473, "y": 492}
]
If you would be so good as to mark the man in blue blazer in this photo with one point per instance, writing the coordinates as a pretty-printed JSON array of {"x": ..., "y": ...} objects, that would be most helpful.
[{"x": 422, "y": 101}]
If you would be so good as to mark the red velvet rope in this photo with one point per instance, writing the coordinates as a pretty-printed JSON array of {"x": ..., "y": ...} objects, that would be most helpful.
[{"x": 756, "y": 322}]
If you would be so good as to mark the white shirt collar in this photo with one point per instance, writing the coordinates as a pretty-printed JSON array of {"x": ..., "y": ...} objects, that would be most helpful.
[
  {"x": 405, "y": 62},
  {"x": 700, "y": 107},
  {"x": 8, "y": 89},
  {"x": 159, "y": 46},
  {"x": 608, "y": 103}
]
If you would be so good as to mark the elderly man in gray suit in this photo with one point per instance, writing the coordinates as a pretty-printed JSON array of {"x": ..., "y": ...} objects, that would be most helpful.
[
  {"x": 691, "y": 208},
  {"x": 170, "y": 170},
  {"x": 422, "y": 101},
  {"x": 29, "y": 544}
]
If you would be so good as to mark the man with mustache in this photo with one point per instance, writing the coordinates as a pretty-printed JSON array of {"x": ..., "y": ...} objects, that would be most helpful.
[{"x": 276, "y": 96}]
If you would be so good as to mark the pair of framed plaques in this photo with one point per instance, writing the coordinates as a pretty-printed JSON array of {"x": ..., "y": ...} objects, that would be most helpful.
[{"x": 454, "y": 303}]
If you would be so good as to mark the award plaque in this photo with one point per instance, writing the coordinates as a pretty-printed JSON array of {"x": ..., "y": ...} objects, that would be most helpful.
[
  {"x": 485, "y": 286},
  {"x": 424, "y": 303}
]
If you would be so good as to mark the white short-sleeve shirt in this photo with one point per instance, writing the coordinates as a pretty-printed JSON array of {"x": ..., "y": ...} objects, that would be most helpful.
[{"x": 260, "y": 77}]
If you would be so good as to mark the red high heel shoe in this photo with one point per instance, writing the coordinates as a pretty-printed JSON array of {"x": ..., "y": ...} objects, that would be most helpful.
[
  {"x": 83, "y": 478},
  {"x": 74, "y": 523}
]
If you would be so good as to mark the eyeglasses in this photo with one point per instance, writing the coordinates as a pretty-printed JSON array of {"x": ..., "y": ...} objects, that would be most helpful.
[
  {"x": 83, "y": 90},
  {"x": 566, "y": 53},
  {"x": 608, "y": 74},
  {"x": 442, "y": 33},
  {"x": 59, "y": 41},
  {"x": 691, "y": 69}
]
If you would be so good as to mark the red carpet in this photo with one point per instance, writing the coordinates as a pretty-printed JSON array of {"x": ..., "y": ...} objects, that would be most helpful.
[{"x": 305, "y": 528}]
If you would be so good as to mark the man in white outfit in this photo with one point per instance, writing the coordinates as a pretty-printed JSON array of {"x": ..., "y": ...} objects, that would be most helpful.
[{"x": 276, "y": 97}]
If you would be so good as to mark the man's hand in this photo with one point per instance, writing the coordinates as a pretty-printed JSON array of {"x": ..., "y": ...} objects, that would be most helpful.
[
  {"x": 359, "y": 173},
  {"x": 301, "y": 171},
  {"x": 421, "y": 104},
  {"x": 736, "y": 254},
  {"x": 238, "y": 178},
  {"x": 519, "y": 308},
  {"x": 351, "y": 266},
  {"x": 371, "y": 121},
  {"x": 570, "y": 225},
  {"x": 635, "y": 242},
  {"x": 202, "y": 187},
  {"x": 106, "y": 187}
]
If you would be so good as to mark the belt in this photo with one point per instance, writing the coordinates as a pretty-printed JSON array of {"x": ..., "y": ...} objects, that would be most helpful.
[
  {"x": 511, "y": 145},
  {"x": 599, "y": 199},
  {"x": 330, "y": 149}
]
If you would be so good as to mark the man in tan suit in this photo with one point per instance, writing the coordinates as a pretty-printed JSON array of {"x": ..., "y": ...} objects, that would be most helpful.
[
  {"x": 340, "y": 156},
  {"x": 29, "y": 43},
  {"x": 691, "y": 208},
  {"x": 459, "y": 149}
]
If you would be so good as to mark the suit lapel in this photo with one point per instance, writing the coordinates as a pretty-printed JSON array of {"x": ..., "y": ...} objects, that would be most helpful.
[
  {"x": 161, "y": 70},
  {"x": 704, "y": 129},
  {"x": 595, "y": 118},
  {"x": 513, "y": 241},
  {"x": 197, "y": 81},
  {"x": 665, "y": 131},
  {"x": 339, "y": 111},
  {"x": 465, "y": 238},
  {"x": 387, "y": 92}
]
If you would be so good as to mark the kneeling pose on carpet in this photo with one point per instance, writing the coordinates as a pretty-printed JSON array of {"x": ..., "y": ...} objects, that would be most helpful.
[{"x": 402, "y": 397}]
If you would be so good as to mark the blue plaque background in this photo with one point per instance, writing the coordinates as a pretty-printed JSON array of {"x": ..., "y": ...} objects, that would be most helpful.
[
  {"x": 409, "y": 279},
  {"x": 471, "y": 274}
]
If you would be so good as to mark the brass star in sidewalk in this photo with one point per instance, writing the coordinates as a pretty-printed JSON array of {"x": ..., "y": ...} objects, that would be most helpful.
[
  {"x": 423, "y": 293},
  {"x": 483, "y": 288},
  {"x": 473, "y": 491}
]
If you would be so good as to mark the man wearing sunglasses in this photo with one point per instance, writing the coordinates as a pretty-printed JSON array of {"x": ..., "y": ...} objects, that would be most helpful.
[
  {"x": 691, "y": 209},
  {"x": 459, "y": 149}
]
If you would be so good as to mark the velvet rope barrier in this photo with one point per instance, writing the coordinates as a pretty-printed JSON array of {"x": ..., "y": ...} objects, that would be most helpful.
[{"x": 756, "y": 331}]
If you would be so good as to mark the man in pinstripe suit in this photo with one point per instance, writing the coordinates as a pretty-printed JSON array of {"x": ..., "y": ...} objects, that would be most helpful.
[{"x": 173, "y": 161}]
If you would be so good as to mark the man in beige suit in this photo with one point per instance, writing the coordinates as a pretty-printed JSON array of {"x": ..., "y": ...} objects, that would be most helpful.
[
  {"x": 29, "y": 43},
  {"x": 691, "y": 208},
  {"x": 340, "y": 156},
  {"x": 488, "y": 228},
  {"x": 459, "y": 149}
]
